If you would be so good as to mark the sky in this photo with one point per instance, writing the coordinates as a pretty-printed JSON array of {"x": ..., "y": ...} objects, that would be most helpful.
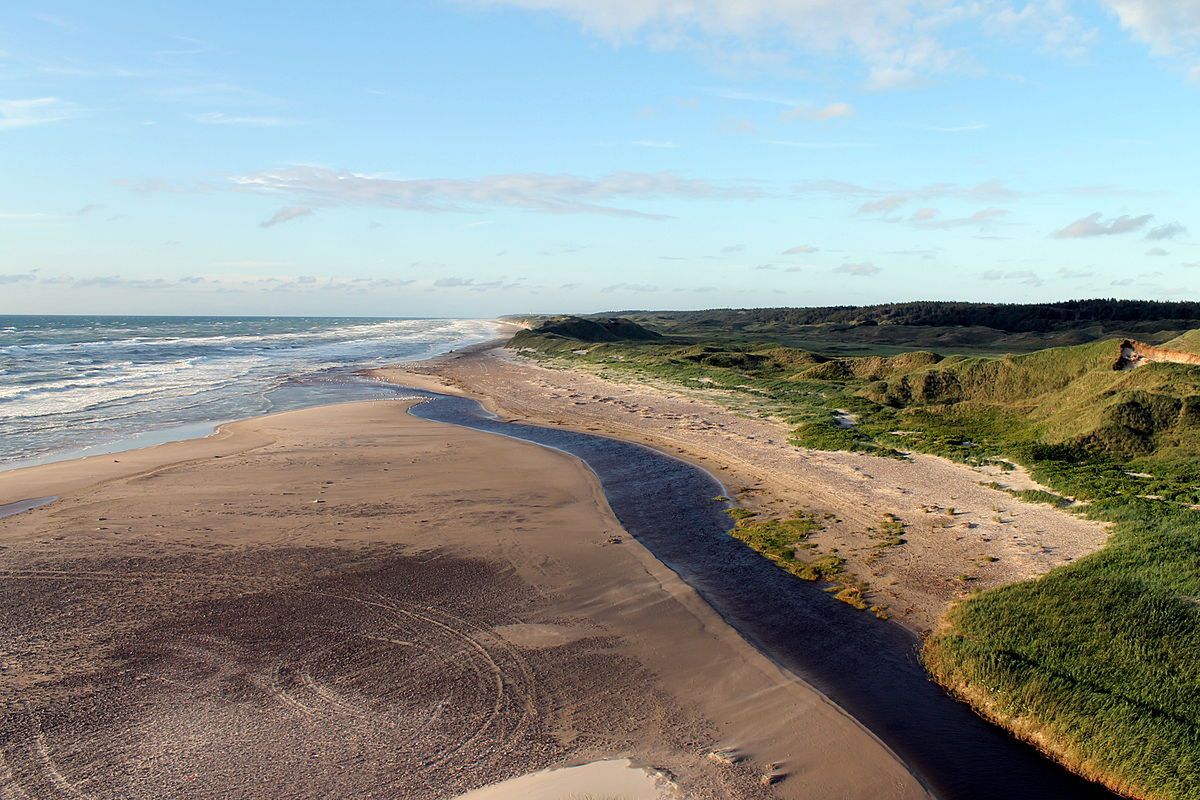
[{"x": 481, "y": 157}]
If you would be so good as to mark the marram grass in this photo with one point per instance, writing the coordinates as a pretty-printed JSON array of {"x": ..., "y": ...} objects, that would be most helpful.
[{"x": 1096, "y": 663}]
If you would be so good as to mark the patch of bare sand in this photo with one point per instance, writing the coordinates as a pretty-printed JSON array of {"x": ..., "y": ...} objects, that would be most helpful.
[
  {"x": 350, "y": 602},
  {"x": 958, "y": 535}
]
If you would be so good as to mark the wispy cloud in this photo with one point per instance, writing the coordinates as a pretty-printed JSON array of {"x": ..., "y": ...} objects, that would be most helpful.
[
  {"x": 285, "y": 215},
  {"x": 966, "y": 128},
  {"x": 884, "y": 200},
  {"x": 312, "y": 186},
  {"x": 1095, "y": 225},
  {"x": 475, "y": 285},
  {"x": 800, "y": 249},
  {"x": 24, "y": 215},
  {"x": 757, "y": 97},
  {"x": 634, "y": 288},
  {"x": 822, "y": 113},
  {"x": 1068, "y": 272},
  {"x": 818, "y": 145},
  {"x": 660, "y": 144},
  {"x": 1023, "y": 276},
  {"x": 222, "y": 283},
  {"x": 218, "y": 94},
  {"x": 931, "y": 219},
  {"x": 34, "y": 111},
  {"x": 898, "y": 43},
  {"x": 861, "y": 269},
  {"x": 243, "y": 120},
  {"x": 1168, "y": 231}
]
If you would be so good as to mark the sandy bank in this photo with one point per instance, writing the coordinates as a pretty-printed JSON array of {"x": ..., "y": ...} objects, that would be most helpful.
[
  {"x": 347, "y": 601},
  {"x": 958, "y": 535}
]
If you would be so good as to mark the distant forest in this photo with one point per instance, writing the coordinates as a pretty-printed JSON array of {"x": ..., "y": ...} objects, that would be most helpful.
[{"x": 1009, "y": 317}]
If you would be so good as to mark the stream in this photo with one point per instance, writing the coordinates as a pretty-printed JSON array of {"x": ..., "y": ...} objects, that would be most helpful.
[{"x": 870, "y": 668}]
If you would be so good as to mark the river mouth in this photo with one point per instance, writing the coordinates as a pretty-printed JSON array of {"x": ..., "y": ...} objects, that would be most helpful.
[{"x": 868, "y": 667}]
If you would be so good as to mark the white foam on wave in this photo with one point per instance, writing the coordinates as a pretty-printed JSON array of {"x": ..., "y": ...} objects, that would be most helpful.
[{"x": 64, "y": 395}]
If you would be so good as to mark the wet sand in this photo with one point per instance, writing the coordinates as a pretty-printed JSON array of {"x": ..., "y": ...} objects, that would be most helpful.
[{"x": 347, "y": 601}]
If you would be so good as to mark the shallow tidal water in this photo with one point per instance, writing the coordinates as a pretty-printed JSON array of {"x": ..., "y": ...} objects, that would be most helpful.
[
  {"x": 868, "y": 667},
  {"x": 617, "y": 778}
]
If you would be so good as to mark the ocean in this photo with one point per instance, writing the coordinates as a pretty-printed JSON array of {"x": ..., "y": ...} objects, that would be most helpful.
[{"x": 73, "y": 386}]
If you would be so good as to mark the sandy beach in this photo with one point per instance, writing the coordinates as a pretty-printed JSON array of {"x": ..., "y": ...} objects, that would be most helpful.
[
  {"x": 349, "y": 602},
  {"x": 959, "y": 534}
]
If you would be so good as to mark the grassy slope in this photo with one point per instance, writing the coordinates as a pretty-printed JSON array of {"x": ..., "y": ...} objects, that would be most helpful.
[
  {"x": 1097, "y": 661},
  {"x": 1188, "y": 342},
  {"x": 966, "y": 328}
]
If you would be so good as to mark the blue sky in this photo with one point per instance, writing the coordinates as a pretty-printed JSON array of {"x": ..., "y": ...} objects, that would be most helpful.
[{"x": 477, "y": 157}]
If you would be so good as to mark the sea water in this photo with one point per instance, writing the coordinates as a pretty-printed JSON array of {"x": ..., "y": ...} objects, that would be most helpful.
[{"x": 75, "y": 385}]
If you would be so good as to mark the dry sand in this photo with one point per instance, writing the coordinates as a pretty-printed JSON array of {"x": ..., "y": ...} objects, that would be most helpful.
[
  {"x": 959, "y": 535},
  {"x": 349, "y": 602}
]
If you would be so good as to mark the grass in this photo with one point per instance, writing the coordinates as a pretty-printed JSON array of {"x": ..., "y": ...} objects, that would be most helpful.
[
  {"x": 1097, "y": 661},
  {"x": 784, "y": 542},
  {"x": 781, "y": 541}
]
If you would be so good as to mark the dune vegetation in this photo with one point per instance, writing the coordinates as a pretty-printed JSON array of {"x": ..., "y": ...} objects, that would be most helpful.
[
  {"x": 1095, "y": 662},
  {"x": 947, "y": 327}
]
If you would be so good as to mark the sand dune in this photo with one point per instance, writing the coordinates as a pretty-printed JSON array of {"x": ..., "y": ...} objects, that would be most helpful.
[{"x": 959, "y": 535}]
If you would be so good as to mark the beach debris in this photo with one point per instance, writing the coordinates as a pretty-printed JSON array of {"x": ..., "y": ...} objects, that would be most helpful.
[
  {"x": 614, "y": 540},
  {"x": 724, "y": 756}
]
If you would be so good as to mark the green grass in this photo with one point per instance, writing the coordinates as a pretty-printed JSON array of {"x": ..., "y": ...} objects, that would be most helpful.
[
  {"x": 784, "y": 542},
  {"x": 1096, "y": 661},
  {"x": 781, "y": 541}
]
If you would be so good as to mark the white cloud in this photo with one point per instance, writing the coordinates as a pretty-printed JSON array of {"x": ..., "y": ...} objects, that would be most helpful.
[
  {"x": 655, "y": 143},
  {"x": 897, "y": 40},
  {"x": 800, "y": 249},
  {"x": 1094, "y": 225},
  {"x": 899, "y": 43},
  {"x": 1171, "y": 28},
  {"x": 313, "y": 186},
  {"x": 33, "y": 111},
  {"x": 1157, "y": 251}
]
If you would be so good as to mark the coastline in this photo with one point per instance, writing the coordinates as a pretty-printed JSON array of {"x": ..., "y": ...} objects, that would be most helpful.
[
  {"x": 288, "y": 385},
  {"x": 753, "y": 708}
]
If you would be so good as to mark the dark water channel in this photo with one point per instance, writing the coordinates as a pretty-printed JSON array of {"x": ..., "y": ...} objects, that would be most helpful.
[{"x": 869, "y": 668}]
